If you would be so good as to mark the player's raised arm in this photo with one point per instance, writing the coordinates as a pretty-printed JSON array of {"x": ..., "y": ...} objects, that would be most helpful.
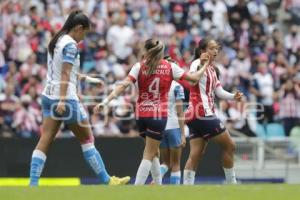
[{"x": 131, "y": 78}]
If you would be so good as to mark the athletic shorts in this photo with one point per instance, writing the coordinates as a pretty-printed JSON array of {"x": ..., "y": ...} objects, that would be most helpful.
[
  {"x": 74, "y": 113},
  {"x": 171, "y": 138},
  {"x": 151, "y": 127},
  {"x": 206, "y": 127}
]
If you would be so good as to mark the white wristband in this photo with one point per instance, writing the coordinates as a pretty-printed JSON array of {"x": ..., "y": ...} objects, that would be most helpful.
[
  {"x": 92, "y": 80},
  {"x": 105, "y": 101}
]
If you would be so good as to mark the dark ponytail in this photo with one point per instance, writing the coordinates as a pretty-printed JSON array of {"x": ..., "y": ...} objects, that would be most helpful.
[
  {"x": 75, "y": 18},
  {"x": 202, "y": 45}
]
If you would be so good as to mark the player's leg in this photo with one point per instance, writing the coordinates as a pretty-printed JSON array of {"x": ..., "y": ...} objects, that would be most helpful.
[
  {"x": 155, "y": 170},
  {"x": 175, "y": 155},
  {"x": 152, "y": 128},
  {"x": 197, "y": 150},
  {"x": 165, "y": 161},
  {"x": 49, "y": 130},
  {"x": 164, "y": 154},
  {"x": 174, "y": 138},
  {"x": 150, "y": 151},
  {"x": 92, "y": 156},
  {"x": 228, "y": 149}
]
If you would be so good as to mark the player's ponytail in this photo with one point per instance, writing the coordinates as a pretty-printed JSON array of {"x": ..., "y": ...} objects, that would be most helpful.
[
  {"x": 75, "y": 18},
  {"x": 154, "y": 54},
  {"x": 201, "y": 48}
]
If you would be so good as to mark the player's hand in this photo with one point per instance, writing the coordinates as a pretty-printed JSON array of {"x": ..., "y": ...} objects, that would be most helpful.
[
  {"x": 238, "y": 96},
  {"x": 205, "y": 59},
  {"x": 99, "y": 83},
  {"x": 99, "y": 108},
  {"x": 183, "y": 141},
  {"x": 61, "y": 107}
]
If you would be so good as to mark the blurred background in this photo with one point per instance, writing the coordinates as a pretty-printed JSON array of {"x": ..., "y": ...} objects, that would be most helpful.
[{"x": 260, "y": 56}]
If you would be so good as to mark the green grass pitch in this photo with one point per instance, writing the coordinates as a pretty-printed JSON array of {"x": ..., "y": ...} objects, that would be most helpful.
[{"x": 199, "y": 192}]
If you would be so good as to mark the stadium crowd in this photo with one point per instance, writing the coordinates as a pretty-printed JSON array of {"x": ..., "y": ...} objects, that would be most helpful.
[{"x": 260, "y": 56}]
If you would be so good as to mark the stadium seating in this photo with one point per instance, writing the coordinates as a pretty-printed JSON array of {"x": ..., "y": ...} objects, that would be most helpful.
[
  {"x": 260, "y": 131},
  {"x": 275, "y": 130}
]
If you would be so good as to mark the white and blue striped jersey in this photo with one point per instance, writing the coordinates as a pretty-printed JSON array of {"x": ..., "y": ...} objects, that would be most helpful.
[
  {"x": 65, "y": 51},
  {"x": 176, "y": 93}
]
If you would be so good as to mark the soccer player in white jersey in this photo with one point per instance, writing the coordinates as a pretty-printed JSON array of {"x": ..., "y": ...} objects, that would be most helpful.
[
  {"x": 173, "y": 139},
  {"x": 200, "y": 117},
  {"x": 154, "y": 76},
  {"x": 60, "y": 102}
]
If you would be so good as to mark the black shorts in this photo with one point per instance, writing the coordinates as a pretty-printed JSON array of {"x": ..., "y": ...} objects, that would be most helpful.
[
  {"x": 151, "y": 127},
  {"x": 206, "y": 127}
]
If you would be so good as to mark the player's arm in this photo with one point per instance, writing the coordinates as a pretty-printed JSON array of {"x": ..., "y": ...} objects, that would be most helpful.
[
  {"x": 70, "y": 53},
  {"x": 65, "y": 79},
  {"x": 89, "y": 79},
  {"x": 131, "y": 78},
  {"x": 223, "y": 94},
  {"x": 194, "y": 76},
  {"x": 121, "y": 87}
]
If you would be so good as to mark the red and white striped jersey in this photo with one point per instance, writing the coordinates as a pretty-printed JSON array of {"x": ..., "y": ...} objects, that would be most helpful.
[
  {"x": 154, "y": 88},
  {"x": 201, "y": 102}
]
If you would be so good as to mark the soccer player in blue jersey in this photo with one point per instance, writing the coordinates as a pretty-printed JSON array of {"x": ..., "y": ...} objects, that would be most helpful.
[
  {"x": 60, "y": 102},
  {"x": 173, "y": 137}
]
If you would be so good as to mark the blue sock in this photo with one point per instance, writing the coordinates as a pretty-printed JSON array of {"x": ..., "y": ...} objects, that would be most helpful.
[
  {"x": 163, "y": 169},
  {"x": 93, "y": 158},
  {"x": 175, "y": 178},
  {"x": 36, "y": 167}
]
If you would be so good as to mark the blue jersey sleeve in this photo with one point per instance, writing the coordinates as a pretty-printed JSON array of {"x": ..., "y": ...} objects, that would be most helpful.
[
  {"x": 70, "y": 53},
  {"x": 179, "y": 93}
]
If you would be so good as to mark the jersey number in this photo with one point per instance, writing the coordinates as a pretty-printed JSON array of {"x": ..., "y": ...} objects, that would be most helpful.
[{"x": 154, "y": 87}]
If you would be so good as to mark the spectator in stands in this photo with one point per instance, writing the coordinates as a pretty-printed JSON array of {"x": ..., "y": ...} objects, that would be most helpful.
[
  {"x": 262, "y": 88},
  {"x": 27, "y": 118},
  {"x": 289, "y": 105},
  {"x": 120, "y": 38},
  {"x": 8, "y": 105}
]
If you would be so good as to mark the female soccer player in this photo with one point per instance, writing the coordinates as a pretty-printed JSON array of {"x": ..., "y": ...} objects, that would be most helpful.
[
  {"x": 200, "y": 117},
  {"x": 60, "y": 102},
  {"x": 154, "y": 76},
  {"x": 173, "y": 137}
]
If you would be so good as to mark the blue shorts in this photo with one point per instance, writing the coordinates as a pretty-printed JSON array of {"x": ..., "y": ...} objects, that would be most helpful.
[
  {"x": 171, "y": 138},
  {"x": 206, "y": 127},
  {"x": 75, "y": 112},
  {"x": 151, "y": 127}
]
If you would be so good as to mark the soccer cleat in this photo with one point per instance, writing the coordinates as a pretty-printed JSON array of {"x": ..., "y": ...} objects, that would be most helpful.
[{"x": 118, "y": 181}]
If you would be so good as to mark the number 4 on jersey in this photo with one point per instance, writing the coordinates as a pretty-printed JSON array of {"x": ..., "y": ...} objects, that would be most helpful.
[{"x": 154, "y": 87}]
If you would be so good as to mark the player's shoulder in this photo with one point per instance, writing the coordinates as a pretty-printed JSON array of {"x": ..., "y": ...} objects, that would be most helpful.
[
  {"x": 195, "y": 63},
  {"x": 67, "y": 40}
]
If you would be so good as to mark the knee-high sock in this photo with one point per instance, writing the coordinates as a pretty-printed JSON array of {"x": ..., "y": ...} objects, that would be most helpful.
[
  {"x": 188, "y": 177},
  {"x": 94, "y": 160},
  {"x": 175, "y": 178},
  {"x": 36, "y": 167},
  {"x": 143, "y": 172},
  {"x": 155, "y": 171}
]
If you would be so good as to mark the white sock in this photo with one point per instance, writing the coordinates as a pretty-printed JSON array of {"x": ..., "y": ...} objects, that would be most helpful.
[
  {"x": 39, "y": 154},
  {"x": 155, "y": 171},
  {"x": 230, "y": 176},
  {"x": 143, "y": 172},
  {"x": 163, "y": 170},
  {"x": 175, "y": 178},
  {"x": 188, "y": 177}
]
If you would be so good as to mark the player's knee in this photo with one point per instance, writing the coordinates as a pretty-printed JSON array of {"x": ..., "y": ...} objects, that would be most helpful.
[
  {"x": 230, "y": 147},
  {"x": 88, "y": 139},
  {"x": 194, "y": 158}
]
